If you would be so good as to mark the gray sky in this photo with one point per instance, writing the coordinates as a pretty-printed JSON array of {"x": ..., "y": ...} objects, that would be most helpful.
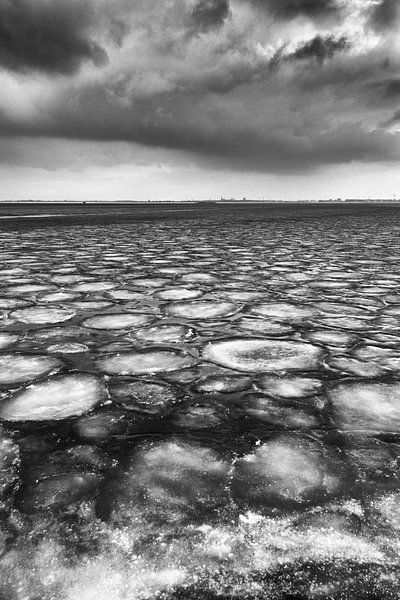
[{"x": 175, "y": 99}]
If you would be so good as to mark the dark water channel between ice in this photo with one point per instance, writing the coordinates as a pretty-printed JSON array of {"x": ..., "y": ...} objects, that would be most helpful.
[{"x": 201, "y": 408}]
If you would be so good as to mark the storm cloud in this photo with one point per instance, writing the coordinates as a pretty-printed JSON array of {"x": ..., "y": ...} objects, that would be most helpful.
[
  {"x": 269, "y": 86},
  {"x": 47, "y": 36}
]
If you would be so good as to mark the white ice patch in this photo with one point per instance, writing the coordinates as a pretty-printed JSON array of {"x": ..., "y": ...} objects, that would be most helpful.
[
  {"x": 291, "y": 387},
  {"x": 117, "y": 321},
  {"x": 256, "y": 355},
  {"x": 145, "y": 362},
  {"x": 41, "y": 316},
  {"x": 160, "y": 334},
  {"x": 369, "y": 407},
  {"x": 66, "y": 348},
  {"x": 283, "y": 311},
  {"x": 19, "y": 368},
  {"x": 95, "y": 286},
  {"x": 173, "y": 479},
  {"x": 9, "y": 463},
  {"x": 202, "y": 310},
  {"x": 179, "y": 293},
  {"x": 263, "y": 327},
  {"x": 54, "y": 399},
  {"x": 6, "y": 339},
  {"x": 289, "y": 471}
]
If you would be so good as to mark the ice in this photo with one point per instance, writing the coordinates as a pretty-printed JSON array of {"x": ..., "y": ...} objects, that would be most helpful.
[
  {"x": 67, "y": 348},
  {"x": 263, "y": 327},
  {"x": 42, "y": 316},
  {"x": 9, "y": 465},
  {"x": 330, "y": 337},
  {"x": 94, "y": 286},
  {"x": 58, "y": 491},
  {"x": 199, "y": 416},
  {"x": 118, "y": 321},
  {"x": 55, "y": 297},
  {"x": 7, "y": 339},
  {"x": 356, "y": 367},
  {"x": 373, "y": 460},
  {"x": 369, "y": 407},
  {"x": 57, "y": 398},
  {"x": 101, "y": 426},
  {"x": 202, "y": 310},
  {"x": 123, "y": 294},
  {"x": 91, "y": 305},
  {"x": 20, "y": 368},
  {"x": 291, "y": 387},
  {"x": 145, "y": 362},
  {"x": 228, "y": 384},
  {"x": 287, "y": 472},
  {"x": 278, "y": 414},
  {"x": 159, "y": 334},
  {"x": 173, "y": 480},
  {"x": 254, "y": 355},
  {"x": 179, "y": 293},
  {"x": 283, "y": 311},
  {"x": 143, "y": 397}
]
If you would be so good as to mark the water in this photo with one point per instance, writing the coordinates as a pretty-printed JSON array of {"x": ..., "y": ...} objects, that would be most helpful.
[{"x": 201, "y": 408}]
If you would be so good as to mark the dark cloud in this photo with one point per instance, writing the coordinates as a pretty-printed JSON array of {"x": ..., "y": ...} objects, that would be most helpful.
[
  {"x": 209, "y": 14},
  {"x": 288, "y": 9},
  {"x": 321, "y": 48},
  {"x": 385, "y": 14},
  {"x": 47, "y": 35}
]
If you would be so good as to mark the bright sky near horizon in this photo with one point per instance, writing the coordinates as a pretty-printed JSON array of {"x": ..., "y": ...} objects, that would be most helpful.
[{"x": 181, "y": 99}]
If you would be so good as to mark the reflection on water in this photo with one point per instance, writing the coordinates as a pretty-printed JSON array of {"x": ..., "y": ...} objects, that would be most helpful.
[{"x": 201, "y": 410}]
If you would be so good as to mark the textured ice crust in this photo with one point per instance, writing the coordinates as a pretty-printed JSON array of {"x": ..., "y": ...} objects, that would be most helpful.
[
  {"x": 54, "y": 399},
  {"x": 145, "y": 362},
  {"x": 256, "y": 355}
]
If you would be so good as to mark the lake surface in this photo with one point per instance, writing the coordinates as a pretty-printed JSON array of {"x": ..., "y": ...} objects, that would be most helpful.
[{"x": 201, "y": 405}]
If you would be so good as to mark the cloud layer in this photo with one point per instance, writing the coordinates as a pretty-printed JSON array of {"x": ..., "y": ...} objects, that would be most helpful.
[{"x": 253, "y": 85}]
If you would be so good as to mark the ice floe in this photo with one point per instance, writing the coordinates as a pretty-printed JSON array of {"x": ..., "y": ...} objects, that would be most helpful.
[
  {"x": 145, "y": 362},
  {"x": 118, "y": 321},
  {"x": 369, "y": 407},
  {"x": 254, "y": 355},
  {"x": 287, "y": 472},
  {"x": 143, "y": 397},
  {"x": 7, "y": 339},
  {"x": 42, "y": 316},
  {"x": 56, "y": 398},
  {"x": 20, "y": 368},
  {"x": 291, "y": 387},
  {"x": 202, "y": 310}
]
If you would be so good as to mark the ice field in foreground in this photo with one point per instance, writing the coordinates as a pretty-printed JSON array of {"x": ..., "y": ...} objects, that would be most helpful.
[{"x": 201, "y": 410}]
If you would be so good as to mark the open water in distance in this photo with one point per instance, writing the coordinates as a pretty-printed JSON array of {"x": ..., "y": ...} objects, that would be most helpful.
[{"x": 201, "y": 408}]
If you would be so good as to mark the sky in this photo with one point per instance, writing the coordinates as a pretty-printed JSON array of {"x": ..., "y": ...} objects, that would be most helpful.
[{"x": 197, "y": 99}]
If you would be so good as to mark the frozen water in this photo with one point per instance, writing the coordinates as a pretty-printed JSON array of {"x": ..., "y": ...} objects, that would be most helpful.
[
  {"x": 58, "y": 491},
  {"x": 9, "y": 465},
  {"x": 367, "y": 407},
  {"x": 217, "y": 384},
  {"x": 118, "y": 321},
  {"x": 144, "y": 397},
  {"x": 202, "y": 310},
  {"x": 290, "y": 471},
  {"x": 278, "y": 414},
  {"x": 145, "y": 362},
  {"x": 54, "y": 399},
  {"x": 256, "y": 355},
  {"x": 179, "y": 293},
  {"x": 161, "y": 334},
  {"x": 291, "y": 387},
  {"x": 43, "y": 316},
  {"x": 19, "y": 368},
  {"x": 145, "y": 495},
  {"x": 173, "y": 480},
  {"x": 283, "y": 311},
  {"x": 7, "y": 339}
]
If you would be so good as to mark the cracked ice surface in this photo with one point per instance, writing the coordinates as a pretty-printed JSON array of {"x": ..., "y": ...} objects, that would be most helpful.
[{"x": 201, "y": 408}]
